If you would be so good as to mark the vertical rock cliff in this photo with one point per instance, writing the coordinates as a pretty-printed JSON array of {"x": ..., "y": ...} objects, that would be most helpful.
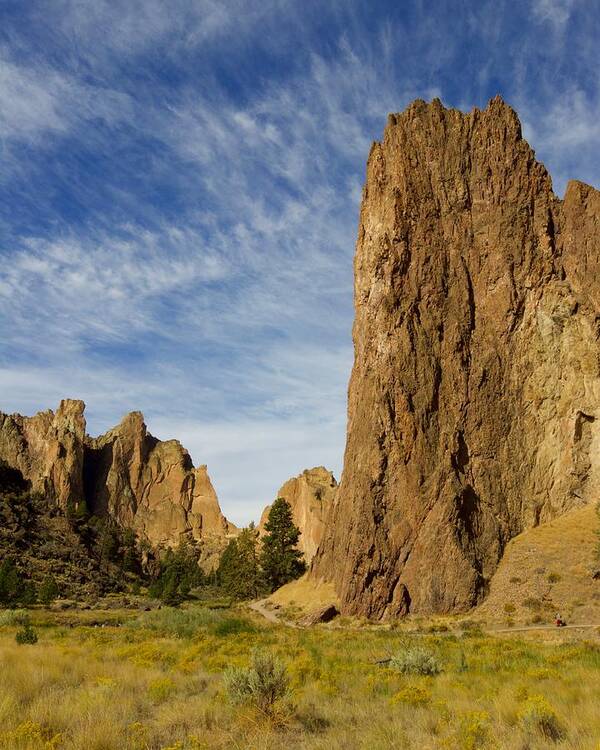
[
  {"x": 48, "y": 450},
  {"x": 126, "y": 474},
  {"x": 310, "y": 496},
  {"x": 474, "y": 401}
]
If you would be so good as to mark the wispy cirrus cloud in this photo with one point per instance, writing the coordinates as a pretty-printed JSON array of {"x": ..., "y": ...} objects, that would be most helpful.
[
  {"x": 38, "y": 100},
  {"x": 556, "y": 12},
  {"x": 180, "y": 192}
]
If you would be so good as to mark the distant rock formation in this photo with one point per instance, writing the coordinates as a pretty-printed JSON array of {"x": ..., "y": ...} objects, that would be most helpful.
[
  {"x": 474, "y": 401},
  {"x": 48, "y": 450},
  {"x": 310, "y": 496},
  {"x": 126, "y": 474}
]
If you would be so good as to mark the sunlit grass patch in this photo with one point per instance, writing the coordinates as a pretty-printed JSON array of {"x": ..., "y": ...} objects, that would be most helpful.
[
  {"x": 150, "y": 684},
  {"x": 537, "y": 715}
]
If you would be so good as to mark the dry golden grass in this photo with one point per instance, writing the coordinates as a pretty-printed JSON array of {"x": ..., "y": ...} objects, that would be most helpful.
[
  {"x": 305, "y": 595},
  {"x": 157, "y": 684},
  {"x": 548, "y": 569}
]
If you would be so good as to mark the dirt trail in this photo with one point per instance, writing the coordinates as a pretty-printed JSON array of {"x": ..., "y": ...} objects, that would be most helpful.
[
  {"x": 269, "y": 615},
  {"x": 260, "y": 608},
  {"x": 539, "y": 627}
]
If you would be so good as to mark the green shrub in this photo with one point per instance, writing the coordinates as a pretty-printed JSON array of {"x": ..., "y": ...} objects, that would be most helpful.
[
  {"x": 48, "y": 590},
  {"x": 509, "y": 608},
  {"x": 262, "y": 684},
  {"x": 537, "y": 714},
  {"x": 415, "y": 661},
  {"x": 13, "y": 617},
  {"x": 554, "y": 577},
  {"x": 26, "y": 635}
]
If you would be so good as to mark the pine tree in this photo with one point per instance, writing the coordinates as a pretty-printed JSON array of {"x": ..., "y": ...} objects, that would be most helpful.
[
  {"x": 10, "y": 582},
  {"x": 48, "y": 590},
  {"x": 281, "y": 560},
  {"x": 179, "y": 573},
  {"x": 239, "y": 571}
]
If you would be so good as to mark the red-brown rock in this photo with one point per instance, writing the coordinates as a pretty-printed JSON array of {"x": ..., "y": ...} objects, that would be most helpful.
[{"x": 474, "y": 401}]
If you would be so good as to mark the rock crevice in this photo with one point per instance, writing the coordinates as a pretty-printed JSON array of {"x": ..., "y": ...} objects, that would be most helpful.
[{"x": 476, "y": 353}]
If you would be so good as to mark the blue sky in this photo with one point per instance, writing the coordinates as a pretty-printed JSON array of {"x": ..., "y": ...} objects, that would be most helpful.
[{"x": 179, "y": 192}]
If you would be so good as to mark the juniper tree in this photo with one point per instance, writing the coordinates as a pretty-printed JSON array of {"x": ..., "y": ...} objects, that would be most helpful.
[
  {"x": 179, "y": 573},
  {"x": 48, "y": 590},
  {"x": 11, "y": 585},
  {"x": 281, "y": 560},
  {"x": 239, "y": 572}
]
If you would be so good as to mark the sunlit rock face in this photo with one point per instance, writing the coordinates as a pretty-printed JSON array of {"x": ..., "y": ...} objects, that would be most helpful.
[
  {"x": 310, "y": 496},
  {"x": 474, "y": 401},
  {"x": 48, "y": 450},
  {"x": 126, "y": 474}
]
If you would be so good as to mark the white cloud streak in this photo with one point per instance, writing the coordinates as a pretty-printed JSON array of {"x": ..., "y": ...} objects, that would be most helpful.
[
  {"x": 39, "y": 100},
  {"x": 229, "y": 326},
  {"x": 556, "y": 12}
]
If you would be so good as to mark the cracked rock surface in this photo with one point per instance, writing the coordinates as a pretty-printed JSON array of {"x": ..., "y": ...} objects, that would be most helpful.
[{"x": 474, "y": 401}]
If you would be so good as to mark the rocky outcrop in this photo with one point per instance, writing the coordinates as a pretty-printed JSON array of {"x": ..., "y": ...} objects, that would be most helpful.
[
  {"x": 474, "y": 401},
  {"x": 126, "y": 474},
  {"x": 310, "y": 496},
  {"x": 48, "y": 450},
  {"x": 323, "y": 614}
]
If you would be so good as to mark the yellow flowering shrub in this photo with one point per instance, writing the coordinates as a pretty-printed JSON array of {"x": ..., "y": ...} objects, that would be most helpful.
[{"x": 413, "y": 695}]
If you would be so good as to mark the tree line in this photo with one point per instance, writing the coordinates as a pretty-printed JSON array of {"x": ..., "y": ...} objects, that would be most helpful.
[{"x": 251, "y": 566}]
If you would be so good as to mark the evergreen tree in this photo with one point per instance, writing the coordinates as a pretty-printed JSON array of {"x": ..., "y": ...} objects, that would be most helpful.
[
  {"x": 10, "y": 582},
  {"x": 281, "y": 560},
  {"x": 179, "y": 573},
  {"x": 28, "y": 594},
  {"x": 129, "y": 553},
  {"x": 14, "y": 588},
  {"x": 48, "y": 590},
  {"x": 239, "y": 571}
]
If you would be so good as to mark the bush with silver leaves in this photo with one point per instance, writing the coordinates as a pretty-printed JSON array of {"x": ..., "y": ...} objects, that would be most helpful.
[{"x": 262, "y": 684}]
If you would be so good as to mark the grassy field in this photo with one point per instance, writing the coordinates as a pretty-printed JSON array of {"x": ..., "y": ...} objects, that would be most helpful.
[{"x": 153, "y": 680}]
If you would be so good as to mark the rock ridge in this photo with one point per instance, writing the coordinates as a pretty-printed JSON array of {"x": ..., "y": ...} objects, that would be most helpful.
[{"x": 126, "y": 474}]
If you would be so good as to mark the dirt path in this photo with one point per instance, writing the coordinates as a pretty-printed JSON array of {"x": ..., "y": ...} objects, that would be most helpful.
[
  {"x": 525, "y": 628},
  {"x": 260, "y": 608}
]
